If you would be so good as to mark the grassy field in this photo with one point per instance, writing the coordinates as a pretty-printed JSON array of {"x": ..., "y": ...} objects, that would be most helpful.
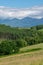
[
  {"x": 40, "y": 30},
  {"x": 31, "y": 55}
]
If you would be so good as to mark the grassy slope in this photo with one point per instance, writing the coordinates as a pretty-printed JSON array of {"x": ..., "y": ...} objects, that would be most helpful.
[{"x": 33, "y": 57}]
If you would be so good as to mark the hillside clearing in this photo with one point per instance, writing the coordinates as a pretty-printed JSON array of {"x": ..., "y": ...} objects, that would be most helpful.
[{"x": 29, "y": 58}]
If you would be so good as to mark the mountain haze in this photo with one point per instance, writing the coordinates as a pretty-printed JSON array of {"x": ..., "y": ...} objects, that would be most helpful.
[
  {"x": 21, "y": 17},
  {"x": 25, "y": 22}
]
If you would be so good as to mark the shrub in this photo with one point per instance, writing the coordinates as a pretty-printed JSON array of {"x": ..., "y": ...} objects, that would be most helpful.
[
  {"x": 21, "y": 43},
  {"x": 8, "y": 47}
]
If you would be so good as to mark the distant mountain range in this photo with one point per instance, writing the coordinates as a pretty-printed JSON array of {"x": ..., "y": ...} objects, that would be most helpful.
[{"x": 25, "y": 22}]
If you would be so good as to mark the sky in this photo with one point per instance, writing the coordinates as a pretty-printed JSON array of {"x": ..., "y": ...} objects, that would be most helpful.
[
  {"x": 21, "y": 8},
  {"x": 21, "y": 3}
]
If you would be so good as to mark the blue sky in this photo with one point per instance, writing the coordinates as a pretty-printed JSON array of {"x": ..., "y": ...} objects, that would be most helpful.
[
  {"x": 21, "y": 8},
  {"x": 21, "y": 3}
]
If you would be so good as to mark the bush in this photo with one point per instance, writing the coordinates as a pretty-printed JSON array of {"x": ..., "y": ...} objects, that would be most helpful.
[
  {"x": 21, "y": 43},
  {"x": 5, "y": 48},
  {"x": 8, "y": 47}
]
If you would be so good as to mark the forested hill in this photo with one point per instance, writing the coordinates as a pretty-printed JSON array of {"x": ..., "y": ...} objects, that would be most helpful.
[
  {"x": 38, "y": 27},
  {"x": 5, "y": 28},
  {"x": 16, "y": 38},
  {"x": 7, "y": 32}
]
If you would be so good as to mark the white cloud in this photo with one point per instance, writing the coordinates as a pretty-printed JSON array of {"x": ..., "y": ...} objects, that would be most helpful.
[{"x": 35, "y": 12}]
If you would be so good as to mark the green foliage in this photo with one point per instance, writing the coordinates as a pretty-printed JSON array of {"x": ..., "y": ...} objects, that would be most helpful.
[
  {"x": 8, "y": 47},
  {"x": 21, "y": 43},
  {"x": 5, "y": 48},
  {"x": 19, "y": 37}
]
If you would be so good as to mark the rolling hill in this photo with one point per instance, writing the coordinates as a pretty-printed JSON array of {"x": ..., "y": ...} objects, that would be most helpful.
[{"x": 32, "y": 57}]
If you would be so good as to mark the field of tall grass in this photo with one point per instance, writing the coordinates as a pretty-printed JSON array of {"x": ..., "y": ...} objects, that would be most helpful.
[{"x": 30, "y": 55}]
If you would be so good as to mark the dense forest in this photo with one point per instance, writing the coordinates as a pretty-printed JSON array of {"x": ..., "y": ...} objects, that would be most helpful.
[{"x": 12, "y": 39}]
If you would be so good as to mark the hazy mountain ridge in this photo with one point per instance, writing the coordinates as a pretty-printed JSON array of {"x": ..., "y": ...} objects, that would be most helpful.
[{"x": 25, "y": 22}]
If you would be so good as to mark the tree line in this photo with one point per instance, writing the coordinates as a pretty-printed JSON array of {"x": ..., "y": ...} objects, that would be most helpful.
[{"x": 15, "y": 38}]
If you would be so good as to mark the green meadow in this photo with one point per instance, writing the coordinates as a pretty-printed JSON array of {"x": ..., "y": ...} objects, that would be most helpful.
[{"x": 30, "y": 55}]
